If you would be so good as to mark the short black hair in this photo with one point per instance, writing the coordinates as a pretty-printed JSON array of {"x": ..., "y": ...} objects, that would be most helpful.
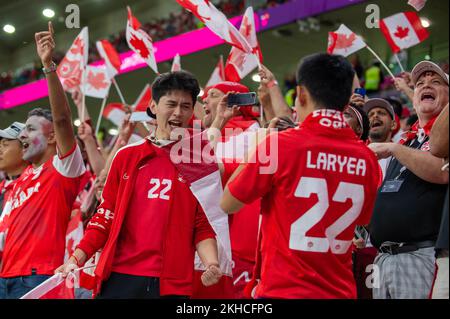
[
  {"x": 328, "y": 78},
  {"x": 175, "y": 81},
  {"x": 45, "y": 113}
]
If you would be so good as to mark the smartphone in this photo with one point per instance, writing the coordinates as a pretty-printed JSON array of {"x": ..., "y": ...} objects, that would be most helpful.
[
  {"x": 242, "y": 99},
  {"x": 361, "y": 91}
]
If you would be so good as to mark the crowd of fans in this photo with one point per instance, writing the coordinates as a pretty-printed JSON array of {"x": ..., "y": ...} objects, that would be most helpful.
[
  {"x": 343, "y": 196},
  {"x": 159, "y": 29}
]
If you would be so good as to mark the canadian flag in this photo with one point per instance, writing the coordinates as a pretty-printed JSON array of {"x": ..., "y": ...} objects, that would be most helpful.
[
  {"x": 96, "y": 82},
  {"x": 417, "y": 4},
  {"x": 74, "y": 234},
  {"x": 56, "y": 287},
  {"x": 142, "y": 103},
  {"x": 217, "y": 22},
  {"x": 176, "y": 65},
  {"x": 344, "y": 42},
  {"x": 115, "y": 113},
  {"x": 403, "y": 30},
  {"x": 111, "y": 57},
  {"x": 70, "y": 69},
  {"x": 239, "y": 63},
  {"x": 218, "y": 74},
  {"x": 140, "y": 42},
  {"x": 198, "y": 167}
]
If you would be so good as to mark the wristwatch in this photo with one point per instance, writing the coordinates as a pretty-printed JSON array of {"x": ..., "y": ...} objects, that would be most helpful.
[{"x": 50, "y": 69}]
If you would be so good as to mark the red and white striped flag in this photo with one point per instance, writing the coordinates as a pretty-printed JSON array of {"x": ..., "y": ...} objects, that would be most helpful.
[
  {"x": 140, "y": 42},
  {"x": 112, "y": 59},
  {"x": 403, "y": 30},
  {"x": 176, "y": 65},
  {"x": 70, "y": 69},
  {"x": 239, "y": 63},
  {"x": 96, "y": 83},
  {"x": 217, "y": 22},
  {"x": 218, "y": 74},
  {"x": 344, "y": 42}
]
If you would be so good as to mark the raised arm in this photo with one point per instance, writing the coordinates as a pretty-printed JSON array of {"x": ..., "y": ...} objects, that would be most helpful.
[
  {"x": 279, "y": 105},
  {"x": 439, "y": 135},
  {"x": 421, "y": 163},
  {"x": 62, "y": 118}
]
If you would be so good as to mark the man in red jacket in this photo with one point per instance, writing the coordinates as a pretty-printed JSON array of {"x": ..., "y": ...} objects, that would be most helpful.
[{"x": 149, "y": 223}]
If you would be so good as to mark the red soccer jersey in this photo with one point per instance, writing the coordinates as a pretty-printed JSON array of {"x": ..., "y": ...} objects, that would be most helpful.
[
  {"x": 40, "y": 208},
  {"x": 140, "y": 244},
  {"x": 322, "y": 182}
]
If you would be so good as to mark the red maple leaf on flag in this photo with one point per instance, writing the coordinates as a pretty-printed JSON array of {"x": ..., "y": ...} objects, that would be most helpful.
[
  {"x": 194, "y": 9},
  {"x": 401, "y": 32},
  {"x": 97, "y": 81},
  {"x": 78, "y": 47},
  {"x": 344, "y": 41},
  {"x": 247, "y": 27},
  {"x": 140, "y": 46}
]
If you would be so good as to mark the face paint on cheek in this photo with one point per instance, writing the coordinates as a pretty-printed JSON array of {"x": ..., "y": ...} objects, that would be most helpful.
[{"x": 37, "y": 146}]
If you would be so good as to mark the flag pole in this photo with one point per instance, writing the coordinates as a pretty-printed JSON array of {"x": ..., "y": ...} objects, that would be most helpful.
[
  {"x": 83, "y": 105},
  {"x": 256, "y": 54},
  {"x": 399, "y": 62},
  {"x": 97, "y": 128},
  {"x": 222, "y": 68},
  {"x": 118, "y": 91},
  {"x": 381, "y": 61}
]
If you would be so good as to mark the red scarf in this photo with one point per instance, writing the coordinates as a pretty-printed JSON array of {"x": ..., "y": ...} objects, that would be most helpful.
[{"x": 415, "y": 129}]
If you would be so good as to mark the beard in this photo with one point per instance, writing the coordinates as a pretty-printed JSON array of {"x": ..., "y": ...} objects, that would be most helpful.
[{"x": 378, "y": 137}]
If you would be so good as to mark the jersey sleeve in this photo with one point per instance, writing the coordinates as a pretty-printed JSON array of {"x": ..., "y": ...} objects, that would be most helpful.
[
  {"x": 255, "y": 179},
  {"x": 99, "y": 227},
  {"x": 71, "y": 165},
  {"x": 203, "y": 229}
]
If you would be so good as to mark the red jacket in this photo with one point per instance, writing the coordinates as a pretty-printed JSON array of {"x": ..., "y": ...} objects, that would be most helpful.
[{"x": 187, "y": 226}]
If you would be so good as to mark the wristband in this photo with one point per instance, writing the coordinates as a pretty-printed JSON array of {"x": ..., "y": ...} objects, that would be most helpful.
[
  {"x": 271, "y": 84},
  {"x": 50, "y": 69}
]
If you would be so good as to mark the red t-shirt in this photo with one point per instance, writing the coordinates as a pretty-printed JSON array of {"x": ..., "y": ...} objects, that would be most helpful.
[
  {"x": 322, "y": 183},
  {"x": 39, "y": 211},
  {"x": 140, "y": 244}
]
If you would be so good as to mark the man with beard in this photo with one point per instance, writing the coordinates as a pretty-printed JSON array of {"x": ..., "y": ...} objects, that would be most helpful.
[
  {"x": 407, "y": 214},
  {"x": 40, "y": 205},
  {"x": 382, "y": 124}
]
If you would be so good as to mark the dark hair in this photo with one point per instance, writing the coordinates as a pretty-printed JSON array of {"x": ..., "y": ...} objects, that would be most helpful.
[
  {"x": 45, "y": 113},
  {"x": 328, "y": 78},
  {"x": 175, "y": 81},
  {"x": 365, "y": 123}
]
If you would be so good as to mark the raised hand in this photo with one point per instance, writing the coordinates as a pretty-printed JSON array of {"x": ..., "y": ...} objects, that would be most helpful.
[
  {"x": 45, "y": 45},
  {"x": 266, "y": 75},
  {"x": 85, "y": 131}
]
